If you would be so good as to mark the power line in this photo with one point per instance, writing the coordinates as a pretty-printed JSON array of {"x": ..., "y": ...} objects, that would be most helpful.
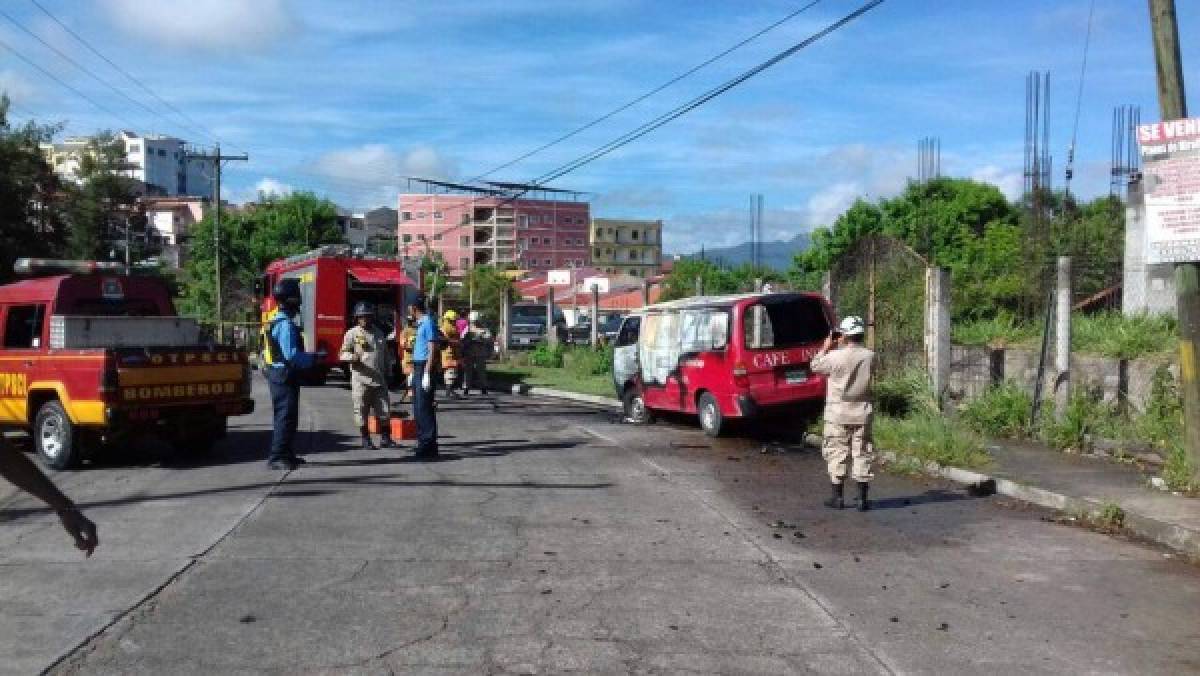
[
  {"x": 81, "y": 67},
  {"x": 652, "y": 92},
  {"x": 198, "y": 128},
  {"x": 1087, "y": 42},
  {"x": 679, "y": 111},
  {"x": 52, "y": 76}
]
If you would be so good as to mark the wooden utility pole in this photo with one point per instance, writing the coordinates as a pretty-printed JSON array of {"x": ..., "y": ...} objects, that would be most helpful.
[
  {"x": 217, "y": 158},
  {"x": 1172, "y": 103}
]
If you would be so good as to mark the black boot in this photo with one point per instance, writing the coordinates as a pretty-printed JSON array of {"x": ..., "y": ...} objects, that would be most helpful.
[
  {"x": 863, "y": 503},
  {"x": 835, "y": 500},
  {"x": 367, "y": 444},
  {"x": 385, "y": 441}
]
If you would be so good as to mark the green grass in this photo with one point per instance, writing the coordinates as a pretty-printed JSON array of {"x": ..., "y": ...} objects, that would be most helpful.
[
  {"x": 1107, "y": 334},
  {"x": 1111, "y": 334},
  {"x": 998, "y": 332},
  {"x": 579, "y": 370},
  {"x": 1002, "y": 411},
  {"x": 931, "y": 437}
]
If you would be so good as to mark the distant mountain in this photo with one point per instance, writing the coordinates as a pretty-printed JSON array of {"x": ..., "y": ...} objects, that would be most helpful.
[{"x": 777, "y": 255}]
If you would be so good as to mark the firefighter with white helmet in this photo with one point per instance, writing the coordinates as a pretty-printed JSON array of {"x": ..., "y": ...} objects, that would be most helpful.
[
  {"x": 849, "y": 409},
  {"x": 365, "y": 351}
]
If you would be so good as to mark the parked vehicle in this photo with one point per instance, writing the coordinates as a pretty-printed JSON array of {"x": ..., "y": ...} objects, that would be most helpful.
[
  {"x": 721, "y": 358},
  {"x": 527, "y": 325},
  {"x": 610, "y": 326},
  {"x": 90, "y": 357},
  {"x": 332, "y": 281}
]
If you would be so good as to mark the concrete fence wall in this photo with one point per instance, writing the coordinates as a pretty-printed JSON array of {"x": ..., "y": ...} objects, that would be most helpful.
[{"x": 1124, "y": 382}]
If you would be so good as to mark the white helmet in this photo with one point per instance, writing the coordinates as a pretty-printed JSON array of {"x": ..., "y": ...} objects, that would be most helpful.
[
  {"x": 852, "y": 326},
  {"x": 473, "y": 316}
]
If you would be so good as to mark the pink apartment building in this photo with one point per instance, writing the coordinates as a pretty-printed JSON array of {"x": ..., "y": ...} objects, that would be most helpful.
[{"x": 543, "y": 229}]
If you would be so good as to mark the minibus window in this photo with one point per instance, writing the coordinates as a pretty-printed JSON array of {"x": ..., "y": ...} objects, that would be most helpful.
[
  {"x": 788, "y": 322},
  {"x": 629, "y": 332}
]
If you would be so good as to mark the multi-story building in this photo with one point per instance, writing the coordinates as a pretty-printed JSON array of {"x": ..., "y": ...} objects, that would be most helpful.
[
  {"x": 361, "y": 228},
  {"x": 625, "y": 247},
  {"x": 160, "y": 162},
  {"x": 543, "y": 229},
  {"x": 169, "y": 220}
]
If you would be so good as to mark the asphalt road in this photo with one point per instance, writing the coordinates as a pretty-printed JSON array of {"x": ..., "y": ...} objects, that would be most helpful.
[{"x": 552, "y": 538}]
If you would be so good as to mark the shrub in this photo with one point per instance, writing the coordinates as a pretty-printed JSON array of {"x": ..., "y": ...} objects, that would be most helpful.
[
  {"x": 932, "y": 437},
  {"x": 584, "y": 361},
  {"x": 1001, "y": 411},
  {"x": 547, "y": 355},
  {"x": 1177, "y": 470},
  {"x": 904, "y": 393},
  {"x": 1085, "y": 416}
]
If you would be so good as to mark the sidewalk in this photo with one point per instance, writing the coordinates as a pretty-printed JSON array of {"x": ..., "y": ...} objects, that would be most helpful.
[
  {"x": 1069, "y": 483},
  {"x": 1082, "y": 485}
]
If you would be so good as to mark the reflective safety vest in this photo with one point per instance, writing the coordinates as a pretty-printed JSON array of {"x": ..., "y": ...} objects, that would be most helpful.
[{"x": 272, "y": 353}]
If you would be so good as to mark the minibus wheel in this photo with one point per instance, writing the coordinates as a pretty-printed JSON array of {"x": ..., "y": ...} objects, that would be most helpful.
[
  {"x": 710, "y": 414},
  {"x": 635, "y": 407}
]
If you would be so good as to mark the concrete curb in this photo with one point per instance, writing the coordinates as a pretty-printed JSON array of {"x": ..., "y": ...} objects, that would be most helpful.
[
  {"x": 1171, "y": 535},
  {"x": 531, "y": 391}
]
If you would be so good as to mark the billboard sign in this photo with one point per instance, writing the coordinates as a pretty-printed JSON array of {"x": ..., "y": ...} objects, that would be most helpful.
[
  {"x": 559, "y": 278},
  {"x": 598, "y": 283},
  {"x": 1171, "y": 179}
]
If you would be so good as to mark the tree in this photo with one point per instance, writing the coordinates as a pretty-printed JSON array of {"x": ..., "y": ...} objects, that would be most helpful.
[
  {"x": 250, "y": 239},
  {"x": 487, "y": 286},
  {"x": 31, "y": 209},
  {"x": 99, "y": 208}
]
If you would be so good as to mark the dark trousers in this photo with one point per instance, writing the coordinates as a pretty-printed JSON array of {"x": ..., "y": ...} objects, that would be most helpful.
[
  {"x": 423, "y": 412},
  {"x": 285, "y": 401}
]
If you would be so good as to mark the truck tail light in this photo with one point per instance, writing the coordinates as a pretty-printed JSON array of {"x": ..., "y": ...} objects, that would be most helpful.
[{"x": 741, "y": 377}]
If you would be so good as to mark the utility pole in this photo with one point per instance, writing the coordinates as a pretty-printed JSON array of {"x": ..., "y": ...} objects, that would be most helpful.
[
  {"x": 217, "y": 158},
  {"x": 1172, "y": 103}
]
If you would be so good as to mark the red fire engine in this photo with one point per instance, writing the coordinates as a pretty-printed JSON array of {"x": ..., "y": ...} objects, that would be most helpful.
[{"x": 332, "y": 279}]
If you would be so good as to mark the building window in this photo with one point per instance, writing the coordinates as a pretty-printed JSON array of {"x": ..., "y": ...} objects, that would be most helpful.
[
  {"x": 135, "y": 147},
  {"x": 437, "y": 215},
  {"x": 535, "y": 219},
  {"x": 579, "y": 262},
  {"x": 437, "y": 237},
  {"x": 548, "y": 262},
  {"x": 406, "y": 238},
  {"x": 522, "y": 221},
  {"x": 464, "y": 263},
  {"x": 406, "y": 215},
  {"x": 162, "y": 152},
  {"x": 547, "y": 241},
  {"x": 464, "y": 241},
  {"x": 421, "y": 215},
  {"x": 421, "y": 237},
  {"x": 635, "y": 235},
  {"x": 522, "y": 244}
]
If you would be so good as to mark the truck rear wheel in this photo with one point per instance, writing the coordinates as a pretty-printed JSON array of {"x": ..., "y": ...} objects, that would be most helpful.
[
  {"x": 55, "y": 436},
  {"x": 634, "y": 405}
]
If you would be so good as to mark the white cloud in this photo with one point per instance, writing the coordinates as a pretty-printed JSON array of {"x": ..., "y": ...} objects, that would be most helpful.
[
  {"x": 208, "y": 25},
  {"x": 374, "y": 173},
  {"x": 1010, "y": 181},
  {"x": 270, "y": 186},
  {"x": 824, "y": 206}
]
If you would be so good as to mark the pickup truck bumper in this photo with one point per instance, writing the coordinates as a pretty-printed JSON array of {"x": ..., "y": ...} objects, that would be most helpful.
[{"x": 139, "y": 414}]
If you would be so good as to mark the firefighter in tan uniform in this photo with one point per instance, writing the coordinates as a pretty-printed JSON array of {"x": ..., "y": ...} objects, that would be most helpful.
[
  {"x": 848, "y": 409},
  {"x": 365, "y": 349},
  {"x": 478, "y": 346}
]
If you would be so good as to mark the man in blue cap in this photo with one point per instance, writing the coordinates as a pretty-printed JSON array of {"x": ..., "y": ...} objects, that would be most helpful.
[
  {"x": 424, "y": 349},
  {"x": 284, "y": 359}
]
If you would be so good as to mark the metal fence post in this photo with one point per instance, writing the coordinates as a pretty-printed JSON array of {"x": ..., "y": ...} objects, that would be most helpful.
[
  {"x": 937, "y": 329},
  {"x": 505, "y": 331},
  {"x": 551, "y": 329},
  {"x": 1062, "y": 337}
]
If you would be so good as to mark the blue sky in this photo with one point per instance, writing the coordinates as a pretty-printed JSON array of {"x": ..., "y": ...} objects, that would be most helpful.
[{"x": 342, "y": 98}]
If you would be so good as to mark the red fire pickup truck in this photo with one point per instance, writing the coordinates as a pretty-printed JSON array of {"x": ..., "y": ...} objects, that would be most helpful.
[{"x": 89, "y": 357}]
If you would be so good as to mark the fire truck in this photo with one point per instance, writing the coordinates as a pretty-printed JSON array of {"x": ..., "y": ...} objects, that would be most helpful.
[
  {"x": 332, "y": 280},
  {"x": 90, "y": 357}
]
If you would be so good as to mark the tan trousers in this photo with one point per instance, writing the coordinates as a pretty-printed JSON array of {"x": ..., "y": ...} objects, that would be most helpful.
[
  {"x": 365, "y": 400},
  {"x": 843, "y": 442}
]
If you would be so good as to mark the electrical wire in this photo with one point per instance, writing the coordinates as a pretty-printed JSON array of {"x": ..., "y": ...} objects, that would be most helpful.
[
  {"x": 1087, "y": 42},
  {"x": 713, "y": 93},
  {"x": 55, "y": 78},
  {"x": 198, "y": 128},
  {"x": 83, "y": 68}
]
